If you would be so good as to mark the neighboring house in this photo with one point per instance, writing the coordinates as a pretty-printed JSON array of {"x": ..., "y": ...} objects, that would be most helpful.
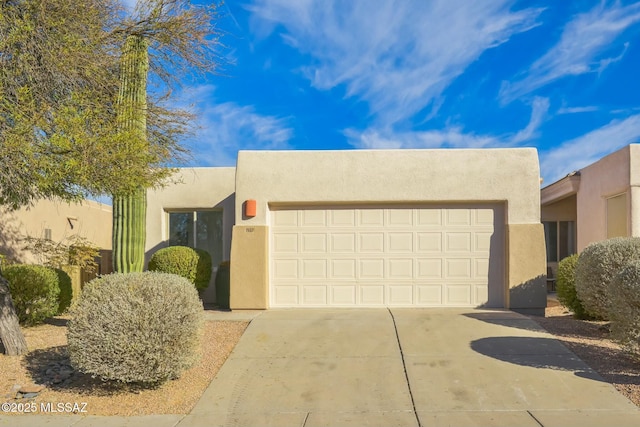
[
  {"x": 56, "y": 221},
  {"x": 362, "y": 228},
  {"x": 598, "y": 202}
]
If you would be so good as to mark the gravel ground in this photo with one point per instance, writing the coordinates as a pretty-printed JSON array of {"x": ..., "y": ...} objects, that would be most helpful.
[
  {"x": 590, "y": 341},
  {"x": 47, "y": 344}
]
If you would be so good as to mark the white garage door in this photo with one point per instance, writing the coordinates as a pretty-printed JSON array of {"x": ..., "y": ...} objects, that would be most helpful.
[{"x": 383, "y": 256}]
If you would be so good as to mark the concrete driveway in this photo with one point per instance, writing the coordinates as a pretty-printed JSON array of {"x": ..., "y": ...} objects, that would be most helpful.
[{"x": 405, "y": 367}]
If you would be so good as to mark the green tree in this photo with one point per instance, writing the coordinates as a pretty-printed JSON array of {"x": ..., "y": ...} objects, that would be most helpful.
[{"x": 59, "y": 85}]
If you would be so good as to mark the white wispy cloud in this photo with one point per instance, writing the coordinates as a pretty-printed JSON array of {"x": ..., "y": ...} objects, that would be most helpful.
[
  {"x": 583, "y": 40},
  {"x": 450, "y": 137},
  {"x": 397, "y": 56},
  {"x": 586, "y": 149},
  {"x": 224, "y": 128},
  {"x": 574, "y": 110},
  {"x": 539, "y": 109}
]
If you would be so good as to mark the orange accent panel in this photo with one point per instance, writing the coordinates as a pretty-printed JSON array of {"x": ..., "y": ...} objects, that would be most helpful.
[{"x": 250, "y": 208}]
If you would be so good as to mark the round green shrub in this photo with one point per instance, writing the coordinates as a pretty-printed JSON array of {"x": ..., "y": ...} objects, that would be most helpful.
[
  {"x": 66, "y": 291},
  {"x": 190, "y": 263},
  {"x": 566, "y": 286},
  {"x": 597, "y": 265},
  {"x": 34, "y": 290},
  {"x": 135, "y": 327},
  {"x": 624, "y": 310}
]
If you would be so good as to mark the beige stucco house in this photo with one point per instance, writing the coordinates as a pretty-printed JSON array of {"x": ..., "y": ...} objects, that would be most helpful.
[
  {"x": 595, "y": 203},
  {"x": 55, "y": 220},
  {"x": 365, "y": 228}
]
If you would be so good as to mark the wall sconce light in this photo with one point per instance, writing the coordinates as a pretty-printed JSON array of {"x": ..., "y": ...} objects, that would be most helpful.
[{"x": 250, "y": 208}]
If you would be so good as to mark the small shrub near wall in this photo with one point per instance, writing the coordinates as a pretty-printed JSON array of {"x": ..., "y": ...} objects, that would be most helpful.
[
  {"x": 597, "y": 265},
  {"x": 66, "y": 290},
  {"x": 566, "y": 287},
  {"x": 624, "y": 310},
  {"x": 136, "y": 327},
  {"x": 35, "y": 290},
  {"x": 192, "y": 264}
]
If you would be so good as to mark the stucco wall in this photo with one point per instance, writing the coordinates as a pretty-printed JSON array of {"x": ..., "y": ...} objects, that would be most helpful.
[
  {"x": 199, "y": 188},
  {"x": 607, "y": 177},
  {"x": 354, "y": 176},
  {"x": 89, "y": 219},
  {"x": 562, "y": 210},
  {"x": 510, "y": 176}
]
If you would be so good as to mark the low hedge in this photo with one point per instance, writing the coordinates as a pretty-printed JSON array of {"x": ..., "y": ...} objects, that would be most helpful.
[
  {"x": 35, "y": 290},
  {"x": 566, "y": 287},
  {"x": 191, "y": 263},
  {"x": 624, "y": 310},
  {"x": 597, "y": 266}
]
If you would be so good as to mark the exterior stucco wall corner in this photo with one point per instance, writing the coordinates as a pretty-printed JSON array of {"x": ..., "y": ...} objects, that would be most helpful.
[
  {"x": 249, "y": 268},
  {"x": 526, "y": 269}
]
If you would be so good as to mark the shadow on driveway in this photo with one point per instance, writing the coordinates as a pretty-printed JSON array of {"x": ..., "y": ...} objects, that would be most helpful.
[{"x": 535, "y": 352}]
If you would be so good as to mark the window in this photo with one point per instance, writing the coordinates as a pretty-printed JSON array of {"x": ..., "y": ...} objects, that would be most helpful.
[
  {"x": 197, "y": 229},
  {"x": 560, "y": 237},
  {"x": 617, "y": 216}
]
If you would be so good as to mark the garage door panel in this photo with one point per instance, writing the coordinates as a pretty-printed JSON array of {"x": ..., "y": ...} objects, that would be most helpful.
[
  {"x": 371, "y": 242},
  {"x": 285, "y": 269},
  {"x": 314, "y": 295},
  {"x": 481, "y": 292},
  {"x": 343, "y": 242},
  {"x": 481, "y": 269},
  {"x": 342, "y": 218},
  {"x": 429, "y": 268},
  {"x": 484, "y": 217},
  {"x": 429, "y": 218},
  {"x": 313, "y": 242},
  {"x": 429, "y": 242},
  {"x": 285, "y": 218},
  {"x": 371, "y": 268},
  {"x": 482, "y": 241},
  {"x": 313, "y": 218},
  {"x": 370, "y": 217},
  {"x": 458, "y": 268},
  {"x": 285, "y": 243},
  {"x": 314, "y": 269},
  {"x": 458, "y": 217},
  {"x": 429, "y": 295},
  {"x": 372, "y": 294},
  {"x": 424, "y": 256},
  {"x": 399, "y": 218},
  {"x": 400, "y": 294},
  {"x": 400, "y": 242},
  {"x": 458, "y": 294},
  {"x": 458, "y": 242},
  {"x": 343, "y": 295},
  {"x": 343, "y": 269},
  {"x": 399, "y": 268},
  {"x": 286, "y": 295}
]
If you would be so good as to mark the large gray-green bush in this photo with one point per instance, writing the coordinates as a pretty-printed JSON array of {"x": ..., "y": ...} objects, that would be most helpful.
[
  {"x": 35, "y": 290},
  {"x": 597, "y": 265},
  {"x": 191, "y": 263},
  {"x": 625, "y": 307},
  {"x": 136, "y": 327},
  {"x": 566, "y": 286}
]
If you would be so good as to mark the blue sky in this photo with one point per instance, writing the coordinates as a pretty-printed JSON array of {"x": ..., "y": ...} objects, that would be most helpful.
[{"x": 561, "y": 76}]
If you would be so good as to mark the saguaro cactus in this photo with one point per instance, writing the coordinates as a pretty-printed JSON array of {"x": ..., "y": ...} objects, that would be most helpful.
[{"x": 129, "y": 210}]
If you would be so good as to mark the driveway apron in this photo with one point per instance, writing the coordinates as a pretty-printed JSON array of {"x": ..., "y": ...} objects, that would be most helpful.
[{"x": 405, "y": 367}]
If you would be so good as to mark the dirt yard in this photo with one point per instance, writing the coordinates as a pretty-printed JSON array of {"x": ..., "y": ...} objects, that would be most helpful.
[{"x": 48, "y": 363}]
